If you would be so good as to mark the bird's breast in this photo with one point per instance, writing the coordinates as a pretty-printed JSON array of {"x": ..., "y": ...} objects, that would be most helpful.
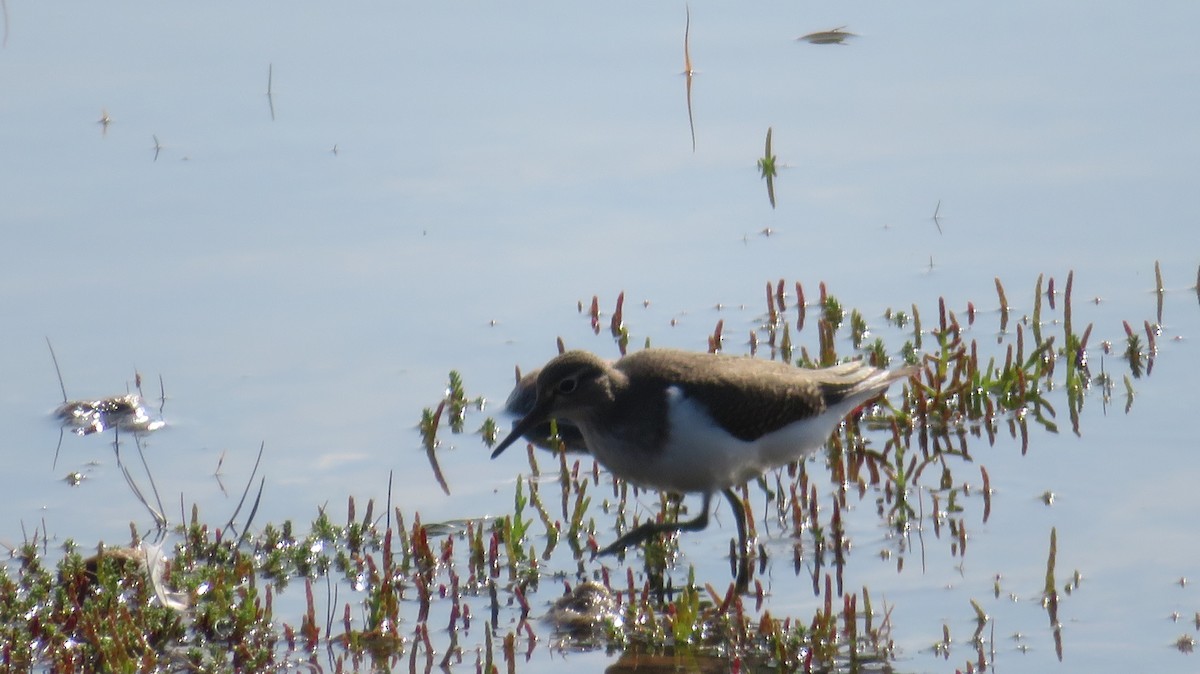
[{"x": 694, "y": 453}]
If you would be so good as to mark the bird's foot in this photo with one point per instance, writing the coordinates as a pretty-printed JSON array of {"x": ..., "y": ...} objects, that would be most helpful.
[
  {"x": 650, "y": 529},
  {"x": 636, "y": 537}
]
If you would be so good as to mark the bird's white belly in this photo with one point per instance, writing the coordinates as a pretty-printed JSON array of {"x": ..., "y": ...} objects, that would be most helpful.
[{"x": 700, "y": 456}]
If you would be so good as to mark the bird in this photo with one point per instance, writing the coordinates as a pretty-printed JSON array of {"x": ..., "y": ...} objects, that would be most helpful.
[{"x": 691, "y": 422}]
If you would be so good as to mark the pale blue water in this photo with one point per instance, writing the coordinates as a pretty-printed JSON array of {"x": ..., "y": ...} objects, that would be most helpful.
[{"x": 501, "y": 163}]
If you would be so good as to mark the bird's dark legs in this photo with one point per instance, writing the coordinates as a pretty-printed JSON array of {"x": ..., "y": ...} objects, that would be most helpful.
[
  {"x": 743, "y": 555},
  {"x": 648, "y": 529}
]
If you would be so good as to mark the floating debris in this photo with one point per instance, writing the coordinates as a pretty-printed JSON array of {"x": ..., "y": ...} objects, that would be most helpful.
[
  {"x": 270, "y": 89},
  {"x": 104, "y": 121},
  {"x": 583, "y": 608},
  {"x": 156, "y": 567},
  {"x": 837, "y": 35},
  {"x": 84, "y": 417},
  {"x": 125, "y": 413},
  {"x": 147, "y": 558}
]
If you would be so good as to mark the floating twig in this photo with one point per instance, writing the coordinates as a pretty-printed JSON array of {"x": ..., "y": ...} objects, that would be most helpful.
[
  {"x": 688, "y": 71},
  {"x": 270, "y": 89},
  {"x": 217, "y": 474},
  {"x": 837, "y": 35}
]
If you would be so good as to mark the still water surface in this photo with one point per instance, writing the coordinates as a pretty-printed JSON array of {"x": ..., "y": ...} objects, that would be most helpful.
[{"x": 495, "y": 165}]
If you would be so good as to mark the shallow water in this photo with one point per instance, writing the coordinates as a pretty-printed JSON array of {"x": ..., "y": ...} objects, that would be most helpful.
[{"x": 499, "y": 164}]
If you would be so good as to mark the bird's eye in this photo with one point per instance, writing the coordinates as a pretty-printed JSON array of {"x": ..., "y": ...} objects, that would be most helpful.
[{"x": 567, "y": 386}]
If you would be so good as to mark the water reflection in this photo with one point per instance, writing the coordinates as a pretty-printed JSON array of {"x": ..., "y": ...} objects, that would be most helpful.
[
  {"x": 908, "y": 456},
  {"x": 914, "y": 460},
  {"x": 766, "y": 167},
  {"x": 273, "y": 276}
]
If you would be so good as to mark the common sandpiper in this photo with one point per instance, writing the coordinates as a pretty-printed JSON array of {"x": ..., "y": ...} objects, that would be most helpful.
[{"x": 688, "y": 422}]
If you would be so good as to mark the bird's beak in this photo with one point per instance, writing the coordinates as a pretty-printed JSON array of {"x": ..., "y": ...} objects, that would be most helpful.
[{"x": 526, "y": 424}]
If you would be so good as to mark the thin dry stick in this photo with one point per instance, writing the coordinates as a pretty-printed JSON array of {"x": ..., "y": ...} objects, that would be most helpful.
[
  {"x": 159, "y": 519},
  {"x": 217, "y": 474},
  {"x": 270, "y": 96},
  {"x": 254, "y": 509},
  {"x": 162, "y": 395},
  {"x": 246, "y": 491},
  {"x": 1159, "y": 290},
  {"x": 63, "y": 387},
  {"x": 687, "y": 29},
  {"x": 389, "y": 497},
  {"x": 58, "y": 447},
  {"x": 158, "y": 514},
  {"x": 688, "y": 71},
  {"x": 331, "y": 593},
  {"x": 57, "y": 371}
]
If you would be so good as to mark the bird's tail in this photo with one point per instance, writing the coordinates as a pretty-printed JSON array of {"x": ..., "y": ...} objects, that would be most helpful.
[{"x": 859, "y": 382}]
